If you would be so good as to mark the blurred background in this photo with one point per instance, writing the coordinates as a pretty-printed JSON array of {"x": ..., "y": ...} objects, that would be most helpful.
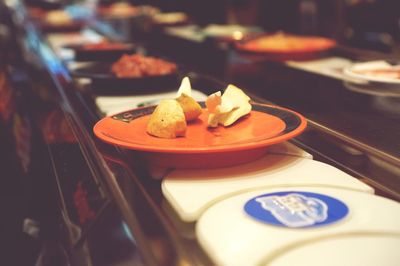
[{"x": 371, "y": 24}]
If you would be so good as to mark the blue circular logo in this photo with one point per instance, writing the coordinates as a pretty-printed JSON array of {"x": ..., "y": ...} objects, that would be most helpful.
[{"x": 296, "y": 209}]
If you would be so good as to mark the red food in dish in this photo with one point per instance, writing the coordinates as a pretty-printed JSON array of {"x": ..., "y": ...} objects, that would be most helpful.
[
  {"x": 135, "y": 66},
  {"x": 104, "y": 45}
]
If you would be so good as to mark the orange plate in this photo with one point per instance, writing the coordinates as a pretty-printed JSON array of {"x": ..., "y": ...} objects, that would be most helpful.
[
  {"x": 309, "y": 47},
  {"x": 203, "y": 147}
]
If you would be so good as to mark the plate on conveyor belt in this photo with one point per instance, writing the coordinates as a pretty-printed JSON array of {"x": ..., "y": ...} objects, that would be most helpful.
[
  {"x": 131, "y": 74},
  {"x": 202, "y": 147},
  {"x": 282, "y": 46},
  {"x": 101, "y": 51}
]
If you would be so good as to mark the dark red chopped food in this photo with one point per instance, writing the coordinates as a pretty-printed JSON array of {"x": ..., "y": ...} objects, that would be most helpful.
[
  {"x": 136, "y": 65},
  {"x": 104, "y": 45}
]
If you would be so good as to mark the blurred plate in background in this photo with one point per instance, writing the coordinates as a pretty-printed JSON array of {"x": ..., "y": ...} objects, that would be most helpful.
[
  {"x": 280, "y": 46},
  {"x": 102, "y": 51},
  {"x": 381, "y": 72},
  {"x": 103, "y": 81}
]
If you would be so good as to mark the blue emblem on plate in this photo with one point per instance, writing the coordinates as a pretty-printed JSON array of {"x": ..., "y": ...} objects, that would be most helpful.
[{"x": 296, "y": 209}]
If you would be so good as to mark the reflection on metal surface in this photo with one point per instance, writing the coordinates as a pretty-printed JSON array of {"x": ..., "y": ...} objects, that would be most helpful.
[
  {"x": 22, "y": 130},
  {"x": 74, "y": 230},
  {"x": 7, "y": 98},
  {"x": 128, "y": 232},
  {"x": 387, "y": 104},
  {"x": 55, "y": 128},
  {"x": 82, "y": 198},
  {"x": 85, "y": 213},
  {"x": 375, "y": 90}
]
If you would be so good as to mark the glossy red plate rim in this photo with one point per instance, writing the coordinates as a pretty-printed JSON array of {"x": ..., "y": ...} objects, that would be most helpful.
[{"x": 295, "y": 125}]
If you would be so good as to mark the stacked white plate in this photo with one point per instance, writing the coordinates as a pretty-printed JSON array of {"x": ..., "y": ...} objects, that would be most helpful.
[
  {"x": 379, "y": 78},
  {"x": 379, "y": 72},
  {"x": 190, "y": 192},
  {"x": 285, "y": 209},
  {"x": 302, "y": 226}
]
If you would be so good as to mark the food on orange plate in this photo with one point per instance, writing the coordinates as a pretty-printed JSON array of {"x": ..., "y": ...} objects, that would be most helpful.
[
  {"x": 228, "y": 108},
  {"x": 104, "y": 45},
  {"x": 190, "y": 106},
  {"x": 136, "y": 66},
  {"x": 167, "y": 120},
  {"x": 281, "y": 42},
  {"x": 58, "y": 17}
]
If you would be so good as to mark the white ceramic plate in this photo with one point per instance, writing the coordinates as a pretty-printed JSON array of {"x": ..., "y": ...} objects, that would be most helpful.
[{"x": 375, "y": 72}]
